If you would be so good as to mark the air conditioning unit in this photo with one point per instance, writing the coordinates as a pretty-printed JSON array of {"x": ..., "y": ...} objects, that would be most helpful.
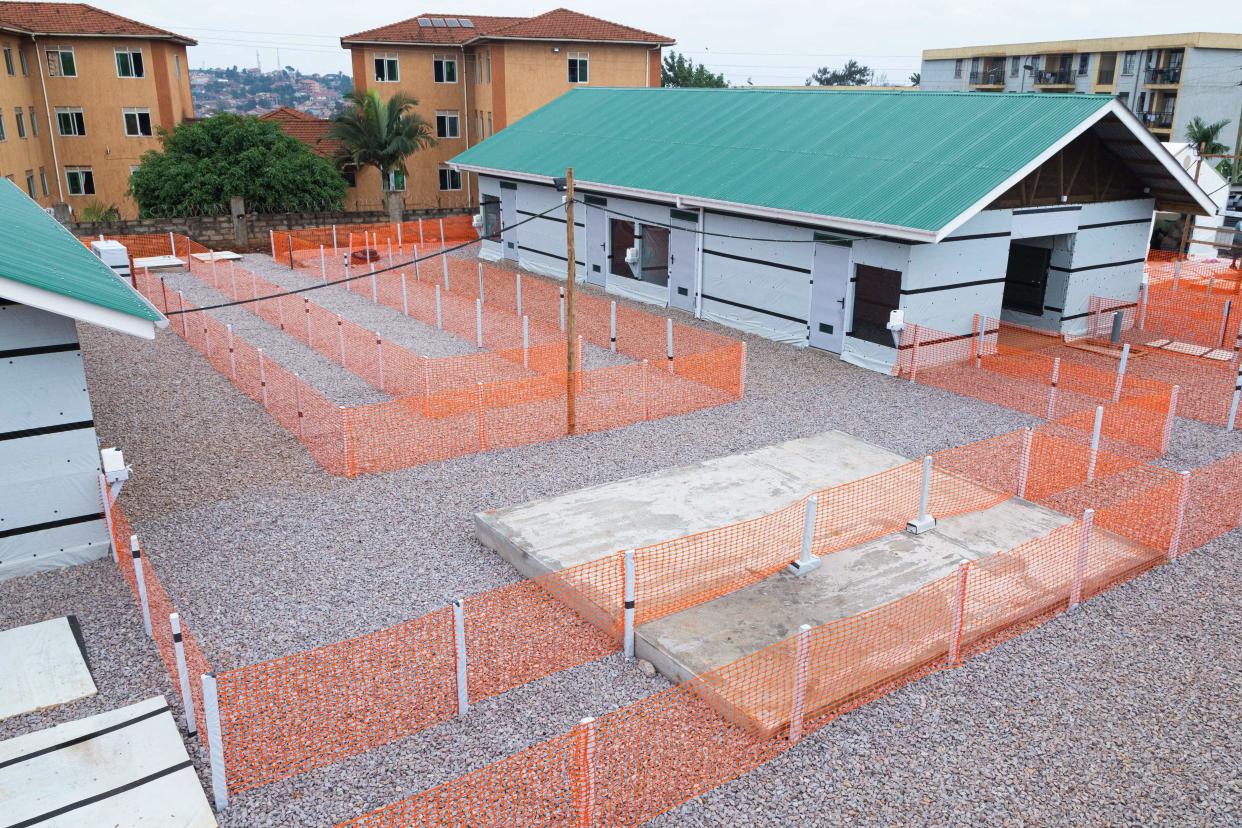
[
  {"x": 631, "y": 255},
  {"x": 114, "y": 255}
]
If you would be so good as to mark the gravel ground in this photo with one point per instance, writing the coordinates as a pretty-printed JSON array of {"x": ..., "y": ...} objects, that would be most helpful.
[{"x": 265, "y": 554}]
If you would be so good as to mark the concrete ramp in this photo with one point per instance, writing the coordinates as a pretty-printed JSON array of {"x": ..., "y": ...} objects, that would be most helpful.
[
  {"x": 559, "y": 532},
  {"x": 127, "y": 767},
  {"x": 43, "y": 665}
]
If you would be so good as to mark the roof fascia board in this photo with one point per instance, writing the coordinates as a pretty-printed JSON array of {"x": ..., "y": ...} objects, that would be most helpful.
[
  {"x": 1164, "y": 157},
  {"x": 582, "y": 40},
  {"x": 60, "y": 305},
  {"x": 185, "y": 41},
  {"x": 832, "y": 222}
]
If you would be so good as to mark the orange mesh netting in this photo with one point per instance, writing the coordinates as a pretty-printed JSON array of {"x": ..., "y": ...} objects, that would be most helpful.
[{"x": 348, "y": 238}]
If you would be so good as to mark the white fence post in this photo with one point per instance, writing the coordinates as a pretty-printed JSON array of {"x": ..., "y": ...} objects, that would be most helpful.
[
  {"x": 1143, "y": 296},
  {"x": 400, "y": 245},
  {"x": 439, "y": 311},
  {"x": 478, "y": 400},
  {"x": 924, "y": 521},
  {"x": 585, "y": 793},
  {"x": 107, "y": 510},
  {"x": 517, "y": 282},
  {"x": 306, "y": 316},
  {"x": 1168, "y": 422},
  {"x": 1080, "y": 561},
  {"x": 183, "y": 675},
  {"x": 444, "y": 264},
  {"x": 1095, "y": 442},
  {"x": 172, "y": 245},
  {"x": 1179, "y": 517},
  {"x": 959, "y": 615},
  {"x": 420, "y": 230},
  {"x": 263, "y": 378},
  {"x": 807, "y": 561},
  {"x": 215, "y": 742},
  {"x": 801, "y": 678},
  {"x": 481, "y": 297},
  {"x": 1224, "y": 323},
  {"x": 1177, "y": 272},
  {"x": 1237, "y": 397},
  {"x": 418, "y": 270},
  {"x": 379, "y": 359},
  {"x": 646, "y": 404},
  {"x": 525, "y": 342},
  {"x": 136, "y": 551},
  {"x": 232, "y": 357},
  {"x": 1121, "y": 371},
  {"x": 562, "y": 309},
  {"x": 478, "y": 323},
  {"x": 340, "y": 337},
  {"x": 1024, "y": 465},
  {"x": 612, "y": 321},
  {"x": 334, "y": 248},
  {"x": 1052, "y": 389},
  {"x": 628, "y": 597},
  {"x": 669, "y": 330},
  {"x": 297, "y": 401},
  {"x": 271, "y": 235},
  {"x": 323, "y": 263},
  {"x": 374, "y": 286},
  {"x": 914, "y": 353},
  {"x": 459, "y": 644}
]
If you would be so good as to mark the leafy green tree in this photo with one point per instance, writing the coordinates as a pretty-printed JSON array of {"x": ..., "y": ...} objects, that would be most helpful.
[
  {"x": 95, "y": 210},
  {"x": 1205, "y": 135},
  {"x": 375, "y": 133},
  {"x": 916, "y": 78},
  {"x": 852, "y": 73},
  {"x": 204, "y": 163},
  {"x": 680, "y": 71}
]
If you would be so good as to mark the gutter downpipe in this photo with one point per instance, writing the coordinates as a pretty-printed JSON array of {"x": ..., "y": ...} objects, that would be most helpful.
[
  {"x": 465, "y": 116},
  {"x": 51, "y": 127}
]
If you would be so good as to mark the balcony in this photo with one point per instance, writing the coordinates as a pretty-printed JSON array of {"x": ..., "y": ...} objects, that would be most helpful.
[
  {"x": 1156, "y": 120},
  {"x": 988, "y": 77},
  {"x": 1168, "y": 76},
  {"x": 1053, "y": 77},
  {"x": 1105, "y": 77}
]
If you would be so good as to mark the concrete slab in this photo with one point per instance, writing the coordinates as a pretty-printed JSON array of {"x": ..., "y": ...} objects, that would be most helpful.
[
  {"x": 44, "y": 665},
  {"x": 559, "y": 532}
]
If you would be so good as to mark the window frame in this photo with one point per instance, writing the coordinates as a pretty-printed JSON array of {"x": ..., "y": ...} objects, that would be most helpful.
[
  {"x": 447, "y": 173},
  {"x": 60, "y": 52},
  {"x": 390, "y": 179},
  {"x": 4, "y": 134},
  {"x": 1084, "y": 63},
  {"x": 24, "y": 61},
  {"x": 575, "y": 63},
  {"x": 9, "y": 65},
  {"x": 1015, "y": 64},
  {"x": 19, "y": 118},
  {"x": 1129, "y": 60},
  {"x": 957, "y": 68},
  {"x": 129, "y": 52},
  {"x": 439, "y": 67},
  {"x": 137, "y": 112},
  {"x": 448, "y": 115},
  {"x": 89, "y": 174},
  {"x": 34, "y": 122},
  {"x": 43, "y": 180},
  {"x": 79, "y": 122},
  {"x": 30, "y": 183},
  {"x": 391, "y": 61}
]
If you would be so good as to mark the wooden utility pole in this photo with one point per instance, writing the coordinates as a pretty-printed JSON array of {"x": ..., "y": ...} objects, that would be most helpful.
[{"x": 571, "y": 355}]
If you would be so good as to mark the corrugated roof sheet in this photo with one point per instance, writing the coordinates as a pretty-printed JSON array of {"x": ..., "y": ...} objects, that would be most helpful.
[
  {"x": 558, "y": 24},
  {"x": 908, "y": 159},
  {"x": 78, "y": 19},
  {"x": 36, "y": 250}
]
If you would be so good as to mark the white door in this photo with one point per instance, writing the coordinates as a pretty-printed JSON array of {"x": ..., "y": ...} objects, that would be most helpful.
[
  {"x": 681, "y": 249},
  {"x": 508, "y": 220},
  {"x": 596, "y": 257},
  {"x": 830, "y": 282}
]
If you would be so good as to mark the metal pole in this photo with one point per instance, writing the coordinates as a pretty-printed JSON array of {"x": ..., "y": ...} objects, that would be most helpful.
[
  {"x": 271, "y": 235},
  {"x": 183, "y": 675},
  {"x": 334, "y": 248},
  {"x": 1121, "y": 372},
  {"x": 525, "y": 342},
  {"x": 1052, "y": 390},
  {"x": 628, "y": 598},
  {"x": 289, "y": 239},
  {"x": 215, "y": 742},
  {"x": 459, "y": 643},
  {"x": 263, "y": 378},
  {"x": 107, "y": 510},
  {"x": 136, "y": 552},
  {"x": 1095, "y": 442},
  {"x": 1237, "y": 397},
  {"x": 1179, "y": 517},
  {"x": 612, "y": 326},
  {"x": 924, "y": 521},
  {"x": 807, "y": 560},
  {"x": 1143, "y": 298},
  {"x": 405, "y": 296},
  {"x": 1224, "y": 322},
  {"x": 1115, "y": 333},
  {"x": 1024, "y": 465},
  {"x": 480, "y": 281},
  {"x": 374, "y": 286},
  {"x": 340, "y": 337},
  {"x": 478, "y": 323},
  {"x": 802, "y": 669},
  {"x": 306, "y": 316},
  {"x": 439, "y": 311},
  {"x": 400, "y": 246},
  {"x": 379, "y": 359},
  {"x": 232, "y": 358},
  {"x": 517, "y": 282},
  {"x": 1080, "y": 562},
  {"x": 420, "y": 231},
  {"x": 323, "y": 263},
  {"x": 669, "y": 336},
  {"x": 959, "y": 616},
  {"x": 444, "y": 265},
  {"x": 478, "y": 400}
]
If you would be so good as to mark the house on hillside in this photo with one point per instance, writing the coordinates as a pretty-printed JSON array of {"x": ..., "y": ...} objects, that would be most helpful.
[
  {"x": 853, "y": 205},
  {"x": 51, "y": 514}
]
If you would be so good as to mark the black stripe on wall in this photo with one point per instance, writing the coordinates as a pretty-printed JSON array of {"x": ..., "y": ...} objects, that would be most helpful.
[
  {"x": 545, "y": 253},
  {"x": 763, "y": 262},
  {"x": 755, "y": 309},
  {"x": 549, "y": 218},
  {"x": 1095, "y": 266},
  {"x": 1075, "y": 316},
  {"x": 1003, "y": 235},
  {"x": 942, "y": 340},
  {"x": 1113, "y": 224},
  {"x": 51, "y": 524},
  {"x": 41, "y": 349},
  {"x": 912, "y": 291},
  {"x": 42, "y": 430},
  {"x": 1032, "y": 211}
]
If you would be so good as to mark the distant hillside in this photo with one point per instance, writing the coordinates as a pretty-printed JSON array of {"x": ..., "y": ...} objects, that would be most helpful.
[{"x": 249, "y": 92}]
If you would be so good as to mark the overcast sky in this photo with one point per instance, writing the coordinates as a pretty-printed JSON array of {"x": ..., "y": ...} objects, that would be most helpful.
[{"x": 777, "y": 43}]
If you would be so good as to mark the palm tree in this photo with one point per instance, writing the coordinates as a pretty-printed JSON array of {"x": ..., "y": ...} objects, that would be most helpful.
[
  {"x": 916, "y": 78},
  {"x": 1202, "y": 136},
  {"x": 375, "y": 133}
]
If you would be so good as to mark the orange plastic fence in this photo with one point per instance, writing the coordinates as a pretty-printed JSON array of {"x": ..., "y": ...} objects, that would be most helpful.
[
  {"x": 345, "y": 239},
  {"x": 630, "y": 765}
]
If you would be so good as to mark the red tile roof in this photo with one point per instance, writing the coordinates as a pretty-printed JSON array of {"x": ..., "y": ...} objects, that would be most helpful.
[
  {"x": 70, "y": 19},
  {"x": 558, "y": 24},
  {"x": 304, "y": 127}
]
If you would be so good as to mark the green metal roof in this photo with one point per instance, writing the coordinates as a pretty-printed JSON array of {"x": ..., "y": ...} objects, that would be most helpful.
[
  {"x": 35, "y": 249},
  {"x": 907, "y": 159}
]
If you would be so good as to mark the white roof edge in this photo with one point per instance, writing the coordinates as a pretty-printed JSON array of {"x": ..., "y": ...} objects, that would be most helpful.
[
  {"x": 1157, "y": 149},
  {"x": 51, "y": 302},
  {"x": 889, "y": 231}
]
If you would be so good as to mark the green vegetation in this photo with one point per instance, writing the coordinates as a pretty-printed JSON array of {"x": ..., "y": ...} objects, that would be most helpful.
[
  {"x": 679, "y": 70},
  {"x": 379, "y": 134},
  {"x": 852, "y": 73},
  {"x": 98, "y": 211},
  {"x": 203, "y": 163}
]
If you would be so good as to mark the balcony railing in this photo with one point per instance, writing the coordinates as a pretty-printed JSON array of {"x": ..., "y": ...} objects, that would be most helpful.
[
  {"x": 988, "y": 77},
  {"x": 1156, "y": 120},
  {"x": 1053, "y": 77},
  {"x": 1171, "y": 74},
  {"x": 1105, "y": 77}
]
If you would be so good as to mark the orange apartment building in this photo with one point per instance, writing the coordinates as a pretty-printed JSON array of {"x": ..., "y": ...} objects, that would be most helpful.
[
  {"x": 82, "y": 95},
  {"x": 474, "y": 75}
]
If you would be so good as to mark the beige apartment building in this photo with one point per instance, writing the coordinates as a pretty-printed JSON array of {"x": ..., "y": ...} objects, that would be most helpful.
[
  {"x": 82, "y": 95},
  {"x": 474, "y": 75}
]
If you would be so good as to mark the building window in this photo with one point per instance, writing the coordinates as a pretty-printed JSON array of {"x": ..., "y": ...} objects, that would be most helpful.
[
  {"x": 1083, "y": 60},
  {"x": 490, "y": 207},
  {"x": 61, "y": 63},
  {"x": 489, "y": 124},
  {"x": 43, "y": 181},
  {"x": 444, "y": 68},
  {"x": 1127, "y": 64},
  {"x": 449, "y": 179},
  {"x": 8, "y": 61},
  {"x": 394, "y": 181},
  {"x": 579, "y": 72},
  {"x": 70, "y": 121},
  {"x": 488, "y": 60},
  {"x": 129, "y": 63},
  {"x": 20, "y": 117},
  {"x": 478, "y": 123},
  {"x": 1015, "y": 63},
  {"x": 30, "y": 183},
  {"x": 21, "y": 59},
  {"x": 81, "y": 181},
  {"x": 137, "y": 122},
  {"x": 447, "y": 125},
  {"x": 4, "y": 136},
  {"x": 957, "y": 68},
  {"x": 386, "y": 69},
  {"x": 133, "y": 168},
  {"x": 34, "y": 122},
  {"x": 351, "y": 177}
]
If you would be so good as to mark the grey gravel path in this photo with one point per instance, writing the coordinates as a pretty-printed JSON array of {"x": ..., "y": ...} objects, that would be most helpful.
[{"x": 265, "y": 554}]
